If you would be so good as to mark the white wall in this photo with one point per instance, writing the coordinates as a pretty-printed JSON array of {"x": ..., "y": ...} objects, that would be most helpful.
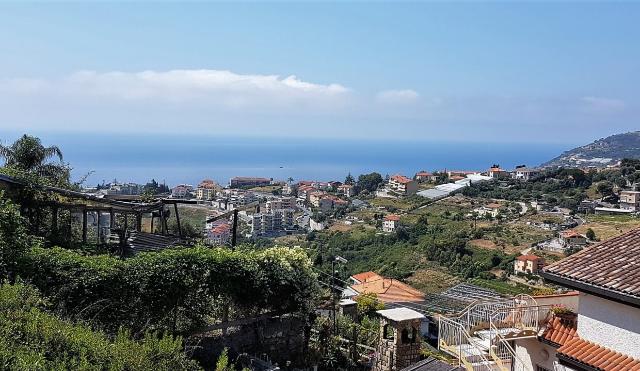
[
  {"x": 532, "y": 352},
  {"x": 610, "y": 324}
]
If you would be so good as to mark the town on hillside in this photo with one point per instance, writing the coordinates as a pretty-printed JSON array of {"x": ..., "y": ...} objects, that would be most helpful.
[{"x": 522, "y": 269}]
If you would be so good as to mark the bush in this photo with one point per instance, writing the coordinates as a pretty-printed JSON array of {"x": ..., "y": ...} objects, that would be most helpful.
[
  {"x": 14, "y": 237},
  {"x": 31, "y": 339},
  {"x": 176, "y": 289}
]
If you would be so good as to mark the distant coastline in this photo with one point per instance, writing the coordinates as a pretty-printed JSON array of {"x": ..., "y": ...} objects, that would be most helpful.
[{"x": 191, "y": 158}]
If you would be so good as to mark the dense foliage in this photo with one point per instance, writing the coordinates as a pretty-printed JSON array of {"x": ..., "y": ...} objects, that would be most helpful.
[
  {"x": 176, "y": 289},
  {"x": 32, "y": 339}
]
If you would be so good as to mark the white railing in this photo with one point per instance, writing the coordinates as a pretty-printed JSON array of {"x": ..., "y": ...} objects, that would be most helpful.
[
  {"x": 503, "y": 353},
  {"x": 454, "y": 339}
]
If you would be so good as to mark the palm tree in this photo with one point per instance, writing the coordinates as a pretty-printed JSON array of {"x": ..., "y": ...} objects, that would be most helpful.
[{"x": 29, "y": 155}]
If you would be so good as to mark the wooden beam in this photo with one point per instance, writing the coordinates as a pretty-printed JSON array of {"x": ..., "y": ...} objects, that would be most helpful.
[
  {"x": 126, "y": 223},
  {"x": 84, "y": 225},
  {"x": 139, "y": 221},
  {"x": 112, "y": 218},
  {"x": 98, "y": 222},
  {"x": 163, "y": 224},
  {"x": 175, "y": 208},
  {"x": 235, "y": 227}
]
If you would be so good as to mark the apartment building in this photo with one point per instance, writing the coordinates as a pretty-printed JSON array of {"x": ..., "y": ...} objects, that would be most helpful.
[
  {"x": 403, "y": 185},
  {"x": 280, "y": 203},
  {"x": 346, "y": 190},
  {"x": 269, "y": 223},
  {"x": 181, "y": 191},
  {"x": 207, "y": 190},
  {"x": 218, "y": 233}
]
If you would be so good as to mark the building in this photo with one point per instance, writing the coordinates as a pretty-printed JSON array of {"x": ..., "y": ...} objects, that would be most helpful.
[
  {"x": 492, "y": 209},
  {"x": 425, "y": 176},
  {"x": 207, "y": 190},
  {"x": 242, "y": 181},
  {"x": 270, "y": 223},
  {"x": 596, "y": 327},
  {"x": 280, "y": 203},
  {"x": 390, "y": 223},
  {"x": 525, "y": 173},
  {"x": 388, "y": 290},
  {"x": 219, "y": 233},
  {"x": 403, "y": 185},
  {"x": 497, "y": 173},
  {"x": 607, "y": 328},
  {"x": 346, "y": 190},
  {"x": 571, "y": 238},
  {"x": 181, "y": 191},
  {"x": 630, "y": 200},
  {"x": 528, "y": 264}
]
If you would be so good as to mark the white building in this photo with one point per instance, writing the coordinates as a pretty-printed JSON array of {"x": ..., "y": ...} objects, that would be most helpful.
[
  {"x": 630, "y": 200},
  {"x": 525, "y": 173},
  {"x": 268, "y": 223},
  {"x": 403, "y": 185},
  {"x": 390, "y": 223}
]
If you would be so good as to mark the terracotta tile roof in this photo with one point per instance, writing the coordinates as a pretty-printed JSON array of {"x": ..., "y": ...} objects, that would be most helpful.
[
  {"x": 364, "y": 276},
  {"x": 389, "y": 290},
  {"x": 401, "y": 179},
  {"x": 613, "y": 265},
  {"x": 570, "y": 233},
  {"x": 528, "y": 257},
  {"x": 561, "y": 329},
  {"x": 392, "y": 217},
  {"x": 597, "y": 356},
  {"x": 423, "y": 173}
]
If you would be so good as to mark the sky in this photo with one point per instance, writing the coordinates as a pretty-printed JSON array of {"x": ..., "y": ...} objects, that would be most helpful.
[{"x": 540, "y": 72}]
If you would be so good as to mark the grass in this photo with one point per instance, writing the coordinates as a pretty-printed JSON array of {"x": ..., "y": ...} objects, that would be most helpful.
[
  {"x": 609, "y": 226},
  {"x": 396, "y": 204},
  {"x": 432, "y": 280}
]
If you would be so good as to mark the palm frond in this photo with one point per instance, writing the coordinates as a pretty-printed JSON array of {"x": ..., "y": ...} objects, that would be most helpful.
[{"x": 53, "y": 151}]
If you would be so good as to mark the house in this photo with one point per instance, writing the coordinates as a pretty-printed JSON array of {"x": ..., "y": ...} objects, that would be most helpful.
[
  {"x": 181, "y": 191},
  {"x": 424, "y": 176},
  {"x": 243, "y": 181},
  {"x": 492, "y": 209},
  {"x": 630, "y": 200},
  {"x": 347, "y": 190},
  {"x": 497, "y": 173},
  {"x": 219, "y": 233},
  {"x": 390, "y": 223},
  {"x": 207, "y": 190},
  {"x": 528, "y": 264},
  {"x": 597, "y": 327},
  {"x": 571, "y": 238},
  {"x": 403, "y": 185},
  {"x": 388, "y": 290},
  {"x": 525, "y": 173},
  {"x": 607, "y": 324}
]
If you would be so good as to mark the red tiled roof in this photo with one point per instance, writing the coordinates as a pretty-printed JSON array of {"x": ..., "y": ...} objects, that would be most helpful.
[
  {"x": 528, "y": 257},
  {"x": 423, "y": 173},
  {"x": 389, "y": 290},
  {"x": 392, "y": 217},
  {"x": 401, "y": 179},
  {"x": 598, "y": 356},
  {"x": 561, "y": 329},
  {"x": 612, "y": 265},
  {"x": 362, "y": 277},
  {"x": 569, "y": 234}
]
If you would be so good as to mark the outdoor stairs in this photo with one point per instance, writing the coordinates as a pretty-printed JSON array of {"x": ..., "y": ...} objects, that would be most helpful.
[{"x": 480, "y": 336}]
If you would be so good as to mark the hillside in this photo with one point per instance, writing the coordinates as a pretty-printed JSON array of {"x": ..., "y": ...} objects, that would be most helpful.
[{"x": 602, "y": 152}]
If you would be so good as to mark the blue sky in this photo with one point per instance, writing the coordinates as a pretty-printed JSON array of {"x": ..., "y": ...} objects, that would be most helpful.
[{"x": 534, "y": 72}]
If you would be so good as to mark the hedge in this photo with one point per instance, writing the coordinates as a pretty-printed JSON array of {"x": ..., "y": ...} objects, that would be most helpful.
[{"x": 178, "y": 289}]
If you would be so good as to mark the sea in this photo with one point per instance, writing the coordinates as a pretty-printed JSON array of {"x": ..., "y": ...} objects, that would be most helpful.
[{"x": 188, "y": 158}]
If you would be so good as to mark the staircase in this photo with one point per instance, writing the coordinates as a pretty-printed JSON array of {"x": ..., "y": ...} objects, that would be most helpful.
[{"x": 480, "y": 337}]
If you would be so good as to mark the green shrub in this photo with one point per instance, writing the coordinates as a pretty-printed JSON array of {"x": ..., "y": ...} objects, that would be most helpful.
[
  {"x": 31, "y": 339},
  {"x": 176, "y": 289}
]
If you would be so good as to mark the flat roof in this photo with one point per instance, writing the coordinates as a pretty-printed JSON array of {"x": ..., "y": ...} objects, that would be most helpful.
[{"x": 400, "y": 314}]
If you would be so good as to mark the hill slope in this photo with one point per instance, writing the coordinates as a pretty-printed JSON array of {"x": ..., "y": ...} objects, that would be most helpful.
[{"x": 602, "y": 152}]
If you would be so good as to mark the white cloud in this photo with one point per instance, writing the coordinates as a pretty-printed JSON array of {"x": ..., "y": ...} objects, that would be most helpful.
[
  {"x": 599, "y": 104},
  {"x": 183, "y": 86},
  {"x": 397, "y": 96}
]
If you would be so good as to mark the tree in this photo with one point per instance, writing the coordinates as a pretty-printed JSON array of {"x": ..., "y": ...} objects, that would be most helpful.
[
  {"x": 349, "y": 180},
  {"x": 591, "y": 235},
  {"x": 369, "y": 182},
  {"x": 605, "y": 188},
  {"x": 368, "y": 304},
  {"x": 29, "y": 155}
]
